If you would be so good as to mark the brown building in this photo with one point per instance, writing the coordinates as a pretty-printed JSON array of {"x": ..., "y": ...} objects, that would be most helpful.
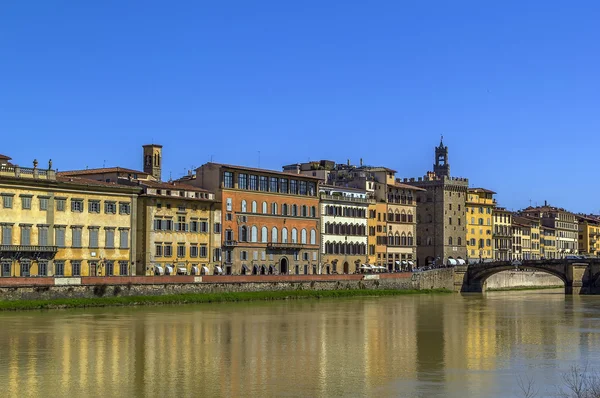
[
  {"x": 441, "y": 219},
  {"x": 270, "y": 218}
]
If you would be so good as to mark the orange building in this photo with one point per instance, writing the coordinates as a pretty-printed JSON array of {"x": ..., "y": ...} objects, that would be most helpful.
[{"x": 270, "y": 218}]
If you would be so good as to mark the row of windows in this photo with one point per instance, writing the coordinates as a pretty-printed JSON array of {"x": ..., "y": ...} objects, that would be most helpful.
[
  {"x": 254, "y": 182},
  {"x": 345, "y": 248},
  {"x": 396, "y": 240},
  {"x": 77, "y": 205},
  {"x": 400, "y": 216},
  {"x": 166, "y": 250},
  {"x": 195, "y": 225},
  {"x": 482, "y": 242},
  {"x": 286, "y": 210},
  {"x": 343, "y": 211},
  {"x": 263, "y": 256},
  {"x": 250, "y": 234},
  {"x": 488, "y": 210},
  {"x": 480, "y": 221},
  {"x": 59, "y": 236},
  {"x": 59, "y": 268},
  {"x": 429, "y": 241},
  {"x": 400, "y": 199},
  {"x": 345, "y": 229}
]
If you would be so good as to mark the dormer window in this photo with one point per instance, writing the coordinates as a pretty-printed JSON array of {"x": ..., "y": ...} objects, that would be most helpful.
[
  {"x": 168, "y": 193},
  {"x": 159, "y": 191}
]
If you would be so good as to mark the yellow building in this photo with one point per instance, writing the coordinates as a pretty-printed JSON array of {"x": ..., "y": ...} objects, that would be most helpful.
[
  {"x": 548, "y": 243},
  {"x": 64, "y": 226},
  {"x": 502, "y": 234},
  {"x": 517, "y": 240},
  {"x": 178, "y": 225},
  {"x": 479, "y": 208},
  {"x": 531, "y": 241},
  {"x": 179, "y": 230},
  {"x": 589, "y": 235}
]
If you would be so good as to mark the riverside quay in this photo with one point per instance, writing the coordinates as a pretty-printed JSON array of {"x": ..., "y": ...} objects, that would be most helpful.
[{"x": 317, "y": 217}]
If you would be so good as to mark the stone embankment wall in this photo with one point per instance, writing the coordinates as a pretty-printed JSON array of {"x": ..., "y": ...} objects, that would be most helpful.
[
  {"x": 521, "y": 279},
  {"x": 89, "y": 287}
]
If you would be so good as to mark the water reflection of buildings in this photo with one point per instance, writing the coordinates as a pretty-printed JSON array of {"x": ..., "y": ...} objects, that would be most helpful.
[{"x": 319, "y": 348}]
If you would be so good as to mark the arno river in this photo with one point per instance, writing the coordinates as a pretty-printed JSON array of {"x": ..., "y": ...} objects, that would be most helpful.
[{"x": 407, "y": 346}]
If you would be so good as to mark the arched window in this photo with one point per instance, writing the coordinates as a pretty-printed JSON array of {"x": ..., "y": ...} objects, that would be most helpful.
[
  {"x": 429, "y": 241},
  {"x": 284, "y": 237},
  {"x": 481, "y": 221},
  {"x": 313, "y": 211},
  {"x": 274, "y": 235},
  {"x": 450, "y": 241},
  {"x": 313, "y": 237},
  {"x": 390, "y": 216},
  {"x": 264, "y": 208},
  {"x": 264, "y": 232},
  {"x": 273, "y": 208},
  {"x": 243, "y": 234},
  {"x": 397, "y": 216},
  {"x": 294, "y": 235},
  {"x": 303, "y": 236},
  {"x": 459, "y": 241},
  {"x": 294, "y": 210},
  {"x": 284, "y": 209},
  {"x": 410, "y": 239},
  {"x": 403, "y": 217},
  {"x": 254, "y": 234},
  {"x": 398, "y": 239},
  {"x": 410, "y": 216},
  {"x": 304, "y": 211},
  {"x": 253, "y": 206},
  {"x": 391, "y": 240},
  {"x": 244, "y": 209}
]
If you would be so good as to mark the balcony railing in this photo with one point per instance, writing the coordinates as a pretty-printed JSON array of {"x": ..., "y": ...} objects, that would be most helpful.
[
  {"x": 287, "y": 245},
  {"x": 27, "y": 172},
  {"x": 28, "y": 249},
  {"x": 347, "y": 199},
  {"x": 230, "y": 243}
]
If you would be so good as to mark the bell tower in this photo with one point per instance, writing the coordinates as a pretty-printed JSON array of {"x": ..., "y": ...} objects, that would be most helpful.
[
  {"x": 441, "y": 166},
  {"x": 153, "y": 160}
]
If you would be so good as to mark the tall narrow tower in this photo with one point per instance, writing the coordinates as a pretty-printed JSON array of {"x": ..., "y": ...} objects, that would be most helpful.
[
  {"x": 153, "y": 160},
  {"x": 441, "y": 166}
]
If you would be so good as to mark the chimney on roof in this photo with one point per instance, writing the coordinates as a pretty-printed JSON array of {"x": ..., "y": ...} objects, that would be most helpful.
[
  {"x": 545, "y": 203},
  {"x": 348, "y": 162},
  {"x": 361, "y": 163}
]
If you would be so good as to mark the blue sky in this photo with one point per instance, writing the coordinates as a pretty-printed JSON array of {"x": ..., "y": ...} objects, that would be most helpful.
[{"x": 513, "y": 86}]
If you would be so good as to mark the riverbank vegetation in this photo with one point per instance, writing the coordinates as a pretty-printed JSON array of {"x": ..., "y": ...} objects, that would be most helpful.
[{"x": 190, "y": 298}]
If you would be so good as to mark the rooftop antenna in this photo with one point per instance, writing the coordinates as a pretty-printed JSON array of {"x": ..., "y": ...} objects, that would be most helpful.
[
  {"x": 103, "y": 163},
  {"x": 211, "y": 156}
]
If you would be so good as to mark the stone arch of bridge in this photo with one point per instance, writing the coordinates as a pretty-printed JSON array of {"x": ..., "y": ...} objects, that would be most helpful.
[{"x": 478, "y": 278}]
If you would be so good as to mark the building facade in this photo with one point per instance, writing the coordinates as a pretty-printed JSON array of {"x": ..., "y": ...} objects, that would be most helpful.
[
  {"x": 502, "y": 234},
  {"x": 441, "y": 218},
  {"x": 344, "y": 241},
  {"x": 589, "y": 235},
  {"x": 270, "y": 221},
  {"x": 177, "y": 232},
  {"x": 175, "y": 223},
  {"x": 548, "y": 243},
  {"x": 564, "y": 222},
  {"x": 479, "y": 208},
  {"x": 65, "y": 226}
]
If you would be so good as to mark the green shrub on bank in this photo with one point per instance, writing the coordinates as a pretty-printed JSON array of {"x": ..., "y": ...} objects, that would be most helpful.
[{"x": 188, "y": 298}]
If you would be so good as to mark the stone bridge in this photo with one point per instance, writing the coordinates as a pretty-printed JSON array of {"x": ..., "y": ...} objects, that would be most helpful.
[{"x": 580, "y": 276}]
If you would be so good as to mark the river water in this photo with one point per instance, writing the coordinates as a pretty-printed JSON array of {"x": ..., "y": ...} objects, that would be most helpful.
[{"x": 406, "y": 346}]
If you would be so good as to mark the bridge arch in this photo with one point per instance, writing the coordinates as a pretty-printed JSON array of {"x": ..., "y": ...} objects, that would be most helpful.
[{"x": 475, "y": 276}]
